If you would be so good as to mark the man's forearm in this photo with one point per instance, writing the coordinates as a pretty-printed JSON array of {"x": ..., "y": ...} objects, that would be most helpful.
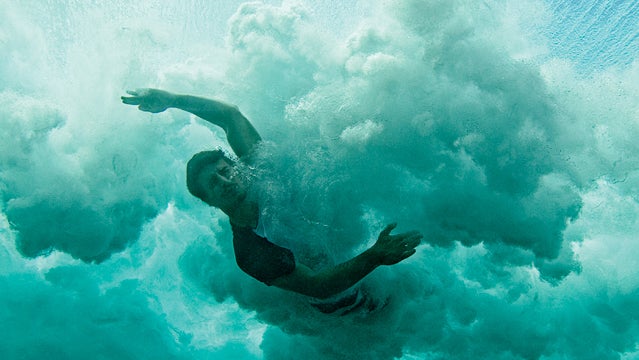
[
  {"x": 343, "y": 276},
  {"x": 240, "y": 133},
  {"x": 213, "y": 111}
]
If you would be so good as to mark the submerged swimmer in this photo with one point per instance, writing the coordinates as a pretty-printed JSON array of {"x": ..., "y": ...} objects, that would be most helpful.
[{"x": 213, "y": 178}]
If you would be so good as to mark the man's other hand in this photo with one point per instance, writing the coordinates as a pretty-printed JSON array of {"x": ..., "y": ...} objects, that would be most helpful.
[{"x": 391, "y": 249}]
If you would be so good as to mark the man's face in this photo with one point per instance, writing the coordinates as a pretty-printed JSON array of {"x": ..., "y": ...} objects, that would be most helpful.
[{"x": 223, "y": 188}]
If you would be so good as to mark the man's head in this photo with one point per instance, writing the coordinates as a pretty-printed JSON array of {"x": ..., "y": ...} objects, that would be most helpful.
[{"x": 211, "y": 177}]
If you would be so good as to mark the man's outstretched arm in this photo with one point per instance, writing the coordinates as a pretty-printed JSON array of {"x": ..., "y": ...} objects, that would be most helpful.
[
  {"x": 388, "y": 250},
  {"x": 240, "y": 133}
]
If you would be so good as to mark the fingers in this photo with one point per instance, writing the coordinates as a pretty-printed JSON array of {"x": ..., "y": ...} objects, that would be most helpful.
[
  {"x": 411, "y": 243},
  {"x": 396, "y": 248},
  {"x": 408, "y": 245},
  {"x": 131, "y": 100},
  {"x": 411, "y": 238},
  {"x": 408, "y": 254},
  {"x": 136, "y": 98},
  {"x": 387, "y": 230}
]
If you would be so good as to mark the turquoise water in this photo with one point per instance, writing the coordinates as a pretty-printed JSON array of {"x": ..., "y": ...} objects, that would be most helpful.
[{"x": 505, "y": 131}]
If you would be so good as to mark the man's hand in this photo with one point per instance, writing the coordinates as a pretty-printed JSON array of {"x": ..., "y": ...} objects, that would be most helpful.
[
  {"x": 150, "y": 100},
  {"x": 391, "y": 249}
]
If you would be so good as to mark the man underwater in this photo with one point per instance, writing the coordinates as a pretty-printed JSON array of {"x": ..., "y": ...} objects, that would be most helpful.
[{"x": 215, "y": 179}]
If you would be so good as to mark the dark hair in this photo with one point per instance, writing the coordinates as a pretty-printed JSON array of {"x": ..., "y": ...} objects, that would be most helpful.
[{"x": 196, "y": 164}]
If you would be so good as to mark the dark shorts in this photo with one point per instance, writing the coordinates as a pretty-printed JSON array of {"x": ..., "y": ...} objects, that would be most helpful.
[{"x": 260, "y": 258}]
